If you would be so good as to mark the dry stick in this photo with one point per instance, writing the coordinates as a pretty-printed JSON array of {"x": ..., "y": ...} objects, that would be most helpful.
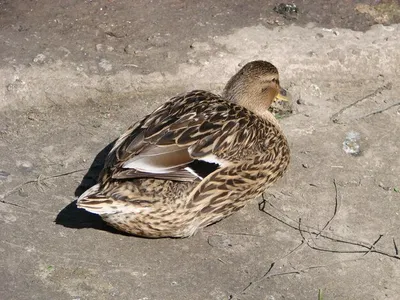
[
  {"x": 38, "y": 181},
  {"x": 371, "y": 248},
  {"x": 315, "y": 231},
  {"x": 379, "y": 111},
  {"x": 396, "y": 250},
  {"x": 214, "y": 233},
  {"x": 272, "y": 265},
  {"x": 335, "y": 210},
  {"x": 301, "y": 231},
  {"x": 338, "y": 240},
  {"x": 373, "y": 244},
  {"x": 266, "y": 273},
  {"x": 13, "y": 204},
  {"x": 335, "y": 116},
  {"x": 304, "y": 270}
]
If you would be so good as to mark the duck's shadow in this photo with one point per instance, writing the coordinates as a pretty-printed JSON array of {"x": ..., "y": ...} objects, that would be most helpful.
[{"x": 73, "y": 217}]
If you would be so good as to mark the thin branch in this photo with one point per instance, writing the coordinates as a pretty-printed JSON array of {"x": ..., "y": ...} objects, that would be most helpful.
[
  {"x": 334, "y": 239},
  {"x": 269, "y": 270},
  {"x": 272, "y": 265},
  {"x": 311, "y": 230},
  {"x": 334, "y": 211},
  {"x": 379, "y": 111},
  {"x": 319, "y": 233},
  {"x": 335, "y": 116},
  {"x": 306, "y": 269},
  {"x": 38, "y": 181},
  {"x": 373, "y": 244},
  {"x": 13, "y": 204},
  {"x": 293, "y": 250},
  {"x": 213, "y": 233},
  {"x": 266, "y": 274},
  {"x": 396, "y": 250}
]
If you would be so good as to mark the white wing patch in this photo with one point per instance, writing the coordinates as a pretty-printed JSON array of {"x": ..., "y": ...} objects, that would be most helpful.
[{"x": 211, "y": 158}]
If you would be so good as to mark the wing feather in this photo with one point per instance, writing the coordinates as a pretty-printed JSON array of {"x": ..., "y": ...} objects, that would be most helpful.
[{"x": 197, "y": 126}]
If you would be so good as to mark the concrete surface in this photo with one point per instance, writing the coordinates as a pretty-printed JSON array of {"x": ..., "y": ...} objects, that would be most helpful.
[{"x": 74, "y": 76}]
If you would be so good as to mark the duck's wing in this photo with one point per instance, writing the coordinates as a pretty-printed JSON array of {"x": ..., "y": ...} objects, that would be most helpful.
[{"x": 185, "y": 139}]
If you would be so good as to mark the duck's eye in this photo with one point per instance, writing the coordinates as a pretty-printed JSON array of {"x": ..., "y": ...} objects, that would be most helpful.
[{"x": 275, "y": 81}]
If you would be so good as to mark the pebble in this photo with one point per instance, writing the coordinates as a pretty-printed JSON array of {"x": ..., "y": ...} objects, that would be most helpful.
[
  {"x": 200, "y": 46},
  {"x": 129, "y": 49},
  {"x": 300, "y": 101},
  {"x": 105, "y": 65},
  {"x": 23, "y": 193},
  {"x": 102, "y": 48},
  {"x": 315, "y": 90},
  {"x": 386, "y": 188},
  {"x": 351, "y": 144},
  {"x": 25, "y": 165},
  {"x": 39, "y": 59}
]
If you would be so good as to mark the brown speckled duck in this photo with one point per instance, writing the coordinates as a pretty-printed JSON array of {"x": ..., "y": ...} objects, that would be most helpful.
[{"x": 195, "y": 160}]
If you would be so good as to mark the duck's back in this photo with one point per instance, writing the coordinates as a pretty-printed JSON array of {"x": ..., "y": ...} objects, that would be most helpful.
[{"x": 194, "y": 160}]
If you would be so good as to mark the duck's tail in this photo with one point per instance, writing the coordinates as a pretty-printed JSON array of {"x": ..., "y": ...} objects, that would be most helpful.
[{"x": 96, "y": 203}]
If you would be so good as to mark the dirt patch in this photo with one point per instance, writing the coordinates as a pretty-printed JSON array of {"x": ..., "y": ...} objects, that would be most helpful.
[{"x": 61, "y": 107}]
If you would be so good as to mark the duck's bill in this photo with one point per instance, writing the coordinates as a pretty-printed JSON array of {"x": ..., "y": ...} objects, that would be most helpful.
[{"x": 283, "y": 95}]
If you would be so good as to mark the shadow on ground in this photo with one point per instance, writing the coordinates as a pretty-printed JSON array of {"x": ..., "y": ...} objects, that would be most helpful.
[{"x": 73, "y": 217}]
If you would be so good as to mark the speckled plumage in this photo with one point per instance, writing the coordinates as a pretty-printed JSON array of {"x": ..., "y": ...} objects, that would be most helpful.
[{"x": 195, "y": 160}]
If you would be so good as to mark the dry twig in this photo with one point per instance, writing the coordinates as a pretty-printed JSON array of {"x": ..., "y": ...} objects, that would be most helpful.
[
  {"x": 335, "y": 116},
  {"x": 379, "y": 111},
  {"x": 335, "y": 210},
  {"x": 312, "y": 231},
  {"x": 39, "y": 181},
  {"x": 396, "y": 250}
]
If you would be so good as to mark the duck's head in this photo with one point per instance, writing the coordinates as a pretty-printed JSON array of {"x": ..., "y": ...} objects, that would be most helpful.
[{"x": 255, "y": 87}]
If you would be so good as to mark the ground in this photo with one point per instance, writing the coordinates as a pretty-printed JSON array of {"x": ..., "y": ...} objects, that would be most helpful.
[{"x": 74, "y": 75}]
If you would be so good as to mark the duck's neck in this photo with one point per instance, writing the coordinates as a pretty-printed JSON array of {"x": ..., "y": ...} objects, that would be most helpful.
[{"x": 254, "y": 103}]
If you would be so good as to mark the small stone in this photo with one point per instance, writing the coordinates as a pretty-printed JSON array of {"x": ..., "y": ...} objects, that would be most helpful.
[
  {"x": 315, "y": 90},
  {"x": 351, "y": 144},
  {"x": 105, "y": 65},
  {"x": 25, "y": 165},
  {"x": 32, "y": 117},
  {"x": 381, "y": 185},
  {"x": 319, "y": 35},
  {"x": 96, "y": 123},
  {"x": 300, "y": 101},
  {"x": 9, "y": 87},
  {"x": 103, "y": 48},
  {"x": 200, "y": 46},
  {"x": 99, "y": 47},
  {"x": 23, "y": 193},
  {"x": 128, "y": 49},
  {"x": 305, "y": 166},
  {"x": 39, "y": 59}
]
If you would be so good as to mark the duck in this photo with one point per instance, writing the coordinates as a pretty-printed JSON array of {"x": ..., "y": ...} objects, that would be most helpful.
[{"x": 195, "y": 160}]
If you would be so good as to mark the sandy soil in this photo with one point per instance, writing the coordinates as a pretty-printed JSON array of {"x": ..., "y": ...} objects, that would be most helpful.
[{"x": 74, "y": 76}]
